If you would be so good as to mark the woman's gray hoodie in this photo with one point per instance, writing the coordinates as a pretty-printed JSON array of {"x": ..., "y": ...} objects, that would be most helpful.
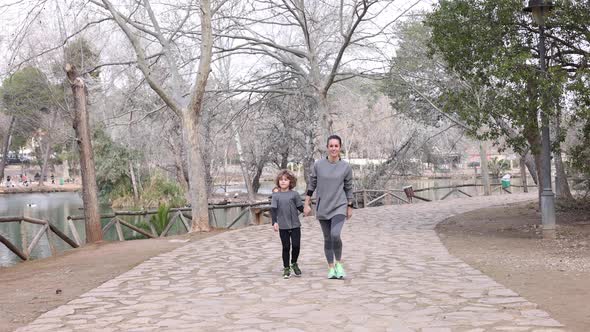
[{"x": 332, "y": 183}]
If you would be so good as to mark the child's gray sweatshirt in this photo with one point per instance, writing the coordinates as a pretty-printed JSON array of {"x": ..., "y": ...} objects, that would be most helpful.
[
  {"x": 285, "y": 208},
  {"x": 332, "y": 183}
]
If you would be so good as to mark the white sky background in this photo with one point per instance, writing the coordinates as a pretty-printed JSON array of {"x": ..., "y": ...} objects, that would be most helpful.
[
  {"x": 44, "y": 33},
  {"x": 246, "y": 67}
]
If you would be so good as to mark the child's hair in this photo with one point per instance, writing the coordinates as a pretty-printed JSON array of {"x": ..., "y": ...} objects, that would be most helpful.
[{"x": 286, "y": 173}]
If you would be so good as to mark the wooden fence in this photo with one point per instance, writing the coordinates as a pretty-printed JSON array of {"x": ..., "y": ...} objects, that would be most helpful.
[
  {"x": 363, "y": 198},
  {"x": 179, "y": 216},
  {"x": 366, "y": 198},
  {"x": 47, "y": 229}
]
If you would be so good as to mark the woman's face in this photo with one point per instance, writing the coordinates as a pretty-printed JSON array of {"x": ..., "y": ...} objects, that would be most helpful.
[{"x": 334, "y": 148}]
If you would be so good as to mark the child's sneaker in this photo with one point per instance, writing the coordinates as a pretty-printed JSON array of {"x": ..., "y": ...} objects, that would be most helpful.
[
  {"x": 296, "y": 269},
  {"x": 332, "y": 273},
  {"x": 286, "y": 273},
  {"x": 339, "y": 271}
]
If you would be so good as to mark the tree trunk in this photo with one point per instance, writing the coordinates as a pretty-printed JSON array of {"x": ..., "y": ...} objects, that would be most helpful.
[
  {"x": 47, "y": 151},
  {"x": 485, "y": 176},
  {"x": 196, "y": 173},
  {"x": 6, "y": 147},
  {"x": 225, "y": 168},
  {"x": 179, "y": 164},
  {"x": 82, "y": 129},
  {"x": 325, "y": 118},
  {"x": 181, "y": 173},
  {"x": 243, "y": 164},
  {"x": 66, "y": 169},
  {"x": 538, "y": 161},
  {"x": 130, "y": 162},
  {"x": 133, "y": 183},
  {"x": 45, "y": 160},
  {"x": 533, "y": 137},
  {"x": 209, "y": 181},
  {"x": 308, "y": 160},
  {"x": 562, "y": 188},
  {"x": 523, "y": 175},
  {"x": 530, "y": 163},
  {"x": 284, "y": 158},
  {"x": 259, "y": 169},
  {"x": 191, "y": 124}
]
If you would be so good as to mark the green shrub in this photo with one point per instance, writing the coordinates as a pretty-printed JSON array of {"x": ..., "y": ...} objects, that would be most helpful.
[
  {"x": 159, "y": 220},
  {"x": 161, "y": 191}
]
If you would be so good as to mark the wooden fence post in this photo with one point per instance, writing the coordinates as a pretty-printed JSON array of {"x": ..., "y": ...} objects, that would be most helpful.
[
  {"x": 23, "y": 234},
  {"x": 119, "y": 230}
]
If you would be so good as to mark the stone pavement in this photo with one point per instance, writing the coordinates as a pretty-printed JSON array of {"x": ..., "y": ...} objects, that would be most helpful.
[{"x": 400, "y": 278}]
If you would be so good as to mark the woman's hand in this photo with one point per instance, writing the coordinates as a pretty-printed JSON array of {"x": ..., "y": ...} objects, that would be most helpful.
[
  {"x": 306, "y": 210},
  {"x": 349, "y": 212},
  {"x": 276, "y": 227}
]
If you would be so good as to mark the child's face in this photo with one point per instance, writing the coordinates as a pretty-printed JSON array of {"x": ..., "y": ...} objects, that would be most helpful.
[{"x": 284, "y": 182}]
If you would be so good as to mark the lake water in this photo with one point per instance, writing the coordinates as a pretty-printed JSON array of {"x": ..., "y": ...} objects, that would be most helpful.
[
  {"x": 47, "y": 206},
  {"x": 55, "y": 207}
]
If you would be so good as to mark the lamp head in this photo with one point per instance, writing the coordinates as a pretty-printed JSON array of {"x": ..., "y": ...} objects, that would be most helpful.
[{"x": 540, "y": 9}]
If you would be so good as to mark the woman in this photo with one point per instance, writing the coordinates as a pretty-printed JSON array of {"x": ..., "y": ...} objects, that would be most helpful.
[{"x": 331, "y": 178}]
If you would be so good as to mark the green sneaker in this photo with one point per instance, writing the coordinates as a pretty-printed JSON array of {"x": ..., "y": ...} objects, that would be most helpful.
[
  {"x": 296, "y": 269},
  {"x": 332, "y": 273},
  {"x": 339, "y": 271},
  {"x": 286, "y": 273}
]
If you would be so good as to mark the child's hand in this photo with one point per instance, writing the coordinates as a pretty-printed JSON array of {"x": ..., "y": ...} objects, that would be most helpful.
[
  {"x": 306, "y": 210},
  {"x": 276, "y": 227}
]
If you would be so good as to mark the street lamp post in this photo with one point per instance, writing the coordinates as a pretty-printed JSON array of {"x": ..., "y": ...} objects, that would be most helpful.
[{"x": 539, "y": 9}]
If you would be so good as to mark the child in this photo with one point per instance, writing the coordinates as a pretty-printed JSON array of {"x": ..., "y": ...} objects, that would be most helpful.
[{"x": 285, "y": 208}]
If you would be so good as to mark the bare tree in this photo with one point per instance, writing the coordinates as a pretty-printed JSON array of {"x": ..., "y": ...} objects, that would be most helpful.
[
  {"x": 82, "y": 128},
  {"x": 172, "y": 93},
  {"x": 318, "y": 43}
]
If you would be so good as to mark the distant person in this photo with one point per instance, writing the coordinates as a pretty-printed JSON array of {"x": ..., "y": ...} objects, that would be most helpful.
[
  {"x": 52, "y": 179},
  {"x": 274, "y": 190},
  {"x": 331, "y": 179},
  {"x": 286, "y": 205}
]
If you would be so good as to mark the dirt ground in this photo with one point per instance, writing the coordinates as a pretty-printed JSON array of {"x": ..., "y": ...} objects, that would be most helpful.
[
  {"x": 506, "y": 244},
  {"x": 31, "y": 288}
]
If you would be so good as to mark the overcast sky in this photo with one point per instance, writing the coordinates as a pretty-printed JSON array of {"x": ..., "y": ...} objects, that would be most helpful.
[{"x": 14, "y": 12}]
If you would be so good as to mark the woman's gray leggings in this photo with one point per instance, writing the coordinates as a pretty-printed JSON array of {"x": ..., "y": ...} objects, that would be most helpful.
[{"x": 332, "y": 242}]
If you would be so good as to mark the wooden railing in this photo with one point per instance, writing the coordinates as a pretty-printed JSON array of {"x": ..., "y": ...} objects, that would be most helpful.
[
  {"x": 363, "y": 198},
  {"x": 257, "y": 209},
  {"x": 47, "y": 229},
  {"x": 367, "y": 198},
  {"x": 178, "y": 216}
]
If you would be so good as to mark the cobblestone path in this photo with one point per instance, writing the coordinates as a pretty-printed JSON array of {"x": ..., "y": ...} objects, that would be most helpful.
[{"x": 400, "y": 278}]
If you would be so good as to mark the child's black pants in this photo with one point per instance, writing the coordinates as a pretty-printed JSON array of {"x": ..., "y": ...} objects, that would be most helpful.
[{"x": 290, "y": 238}]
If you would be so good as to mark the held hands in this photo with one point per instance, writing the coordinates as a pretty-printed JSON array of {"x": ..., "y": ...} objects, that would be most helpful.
[
  {"x": 306, "y": 210},
  {"x": 276, "y": 227}
]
